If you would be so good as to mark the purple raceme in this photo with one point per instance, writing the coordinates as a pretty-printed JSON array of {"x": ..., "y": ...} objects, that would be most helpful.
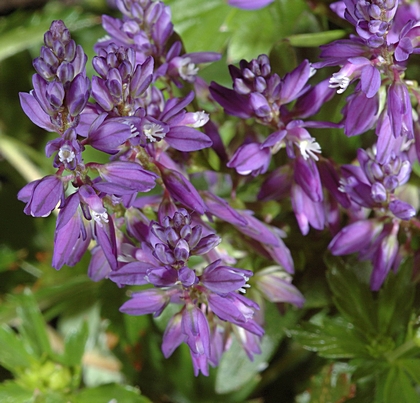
[
  {"x": 146, "y": 28},
  {"x": 209, "y": 296},
  {"x": 375, "y": 59},
  {"x": 263, "y": 95},
  {"x": 374, "y": 185}
]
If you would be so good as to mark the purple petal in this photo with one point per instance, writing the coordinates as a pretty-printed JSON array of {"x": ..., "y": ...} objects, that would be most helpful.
[
  {"x": 294, "y": 82},
  {"x": 98, "y": 267},
  {"x": 132, "y": 273},
  {"x": 370, "y": 80},
  {"x": 184, "y": 138},
  {"x": 173, "y": 335},
  {"x": 183, "y": 191},
  {"x": 145, "y": 302},
  {"x": 402, "y": 210},
  {"x": 34, "y": 112}
]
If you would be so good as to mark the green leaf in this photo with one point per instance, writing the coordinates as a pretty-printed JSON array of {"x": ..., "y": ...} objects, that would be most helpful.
[
  {"x": 32, "y": 325},
  {"x": 13, "y": 354},
  {"x": 74, "y": 345},
  {"x": 105, "y": 393},
  {"x": 134, "y": 326},
  {"x": 352, "y": 297},
  {"x": 332, "y": 338},
  {"x": 315, "y": 39},
  {"x": 399, "y": 388},
  {"x": 283, "y": 57},
  {"x": 25, "y": 30},
  {"x": 11, "y": 392},
  {"x": 201, "y": 23},
  {"x": 395, "y": 301},
  {"x": 412, "y": 367}
]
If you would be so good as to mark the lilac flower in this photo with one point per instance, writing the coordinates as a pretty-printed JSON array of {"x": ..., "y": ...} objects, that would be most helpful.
[
  {"x": 123, "y": 177},
  {"x": 42, "y": 196},
  {"x": 182, "y": 190},
  {"x": 275, "y": 285},
  {"x": 205, "y": 295},
  {"x": 146, "y": 26},
  {"x": 184, "y": 66},
  {"x": 307, "y": 211},
  {"x": 250, "y": 159},
  {"x": 145, "y": 302},
  {"x": 376, "y": 57}
]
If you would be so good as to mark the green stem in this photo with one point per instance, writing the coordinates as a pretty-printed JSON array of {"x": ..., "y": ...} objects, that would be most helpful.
[{"x": 401, "y": 350}]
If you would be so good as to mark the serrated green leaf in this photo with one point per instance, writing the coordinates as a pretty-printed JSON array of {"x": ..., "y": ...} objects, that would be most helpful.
[
  {"x": 334, "y": 339},
  {"x": 32, "y": 325},
  {"x": 315, "y": 39},
  {"x": 395, "y": 300},
  {"x": 352, "y": 297},
  {"x": 105, "y": 393},
  {"x": 11, "y": 392},
  {"x": 13, "y": 354}
]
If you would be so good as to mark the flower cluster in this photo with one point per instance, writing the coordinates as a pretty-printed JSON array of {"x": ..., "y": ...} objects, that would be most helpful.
[
  {"x": 210, "y": 296},
  {"x": 129, "y": 112},
  {"x": 159, "y": 215}
]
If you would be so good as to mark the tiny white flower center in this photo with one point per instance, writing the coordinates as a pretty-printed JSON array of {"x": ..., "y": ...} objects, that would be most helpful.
[
  {"x": 187, "y": 70},
  {"x": 66, "y": 154},
  {"x": 308, "y": 148},
  {"x": 153, "y": 131},
  {"x": 340, "y": 81},
  {"x": 100, "y": 218},
  {"x": 201, "y": 118}
]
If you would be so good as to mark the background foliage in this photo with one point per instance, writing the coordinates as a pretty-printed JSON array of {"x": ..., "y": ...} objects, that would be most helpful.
[{"x": 62, "y": 337}]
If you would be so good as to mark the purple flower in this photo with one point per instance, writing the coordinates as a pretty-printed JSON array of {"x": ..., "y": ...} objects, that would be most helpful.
[
  {"x": 182, "y": 190},
  {"x": 72, "y": 237},
  {"x": 355, "y": 237},
  {"x": 250, "y": 159},
  {"x": 236, "y": 309},
  {"x": 42, "y": 196},
  {"x": 384, "y": 258},
  {"x": 307, "y": 211},
  {"x": 275, "y": 285},
  {"x": 173, "y": 336},
  {"x": 123, "y": 177},
  {"x": 224, "y": 279},
  {"x": 144, "y": 302}
]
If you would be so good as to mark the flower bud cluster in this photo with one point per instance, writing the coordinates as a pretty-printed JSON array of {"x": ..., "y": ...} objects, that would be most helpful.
[{"x": 372, "y": 19}]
